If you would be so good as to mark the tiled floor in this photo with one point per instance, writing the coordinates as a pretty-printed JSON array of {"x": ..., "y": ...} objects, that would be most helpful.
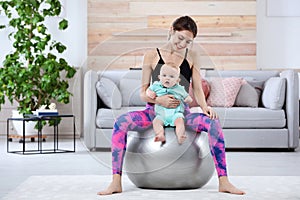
[{"x": 15, "y": 168}]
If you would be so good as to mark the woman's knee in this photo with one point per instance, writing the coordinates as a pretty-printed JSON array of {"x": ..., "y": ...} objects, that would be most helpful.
[
  {"x": 122, "y": 119},
  {"x": 133, "y": 121}
]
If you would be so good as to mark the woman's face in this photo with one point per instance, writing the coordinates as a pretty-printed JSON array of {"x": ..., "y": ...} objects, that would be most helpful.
[{"x": 181, "y": 39}]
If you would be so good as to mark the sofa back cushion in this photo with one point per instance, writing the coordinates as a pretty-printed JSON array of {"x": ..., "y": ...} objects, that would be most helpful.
[
  {"x": 223, "y": 91},
  {"x": 109, "y": 93},
  {"x": 247, "y": 96},
  {"x": 128, "y": 83},
  {"x": 256, "y": 78},
  {"x": 274, "y": 93},
  {"x": 130, "y": 90},
  {"x": 257, "y": 75}
]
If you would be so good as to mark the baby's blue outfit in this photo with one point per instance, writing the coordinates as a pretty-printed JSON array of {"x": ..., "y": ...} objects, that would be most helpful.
[{"x": 169, "y": 115}]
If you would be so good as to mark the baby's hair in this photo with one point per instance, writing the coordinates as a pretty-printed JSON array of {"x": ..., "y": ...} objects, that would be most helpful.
[{"x": 172, "y": 65}]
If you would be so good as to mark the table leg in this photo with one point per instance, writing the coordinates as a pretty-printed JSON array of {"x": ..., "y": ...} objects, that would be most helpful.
[
  {"x": 74, "y": 133},
  {"x": 23, "y": 137},
  {"x": 55, "y": 135},
  {"x": 7, "y": 137},
  {"x": 40, "y": 134}
]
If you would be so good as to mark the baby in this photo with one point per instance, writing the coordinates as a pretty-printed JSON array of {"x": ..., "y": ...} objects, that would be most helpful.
[{"x": 169, "y": 84}]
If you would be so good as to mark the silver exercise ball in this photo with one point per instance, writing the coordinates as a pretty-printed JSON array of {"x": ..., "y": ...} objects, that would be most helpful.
[{"x": 150, "y": 164}]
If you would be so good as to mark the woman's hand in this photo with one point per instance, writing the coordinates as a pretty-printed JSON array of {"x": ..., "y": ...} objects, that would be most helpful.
[
  {"x": 168, "y": 101},
  {"x": 210, "y": 112}
]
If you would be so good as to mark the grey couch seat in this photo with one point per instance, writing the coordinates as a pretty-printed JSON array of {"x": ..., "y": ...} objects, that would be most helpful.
[
  {"x": 245, "y": 117},
  {"x": 234, "y": 117}
]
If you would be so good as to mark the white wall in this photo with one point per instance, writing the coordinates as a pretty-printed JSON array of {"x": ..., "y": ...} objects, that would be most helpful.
[
  {"x": 278, "y": 34},
  {"x": 75, "y": 37}
]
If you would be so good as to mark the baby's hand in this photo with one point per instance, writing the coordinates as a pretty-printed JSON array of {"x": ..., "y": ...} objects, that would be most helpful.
[
  {"x": 151, "y": 94},
  {"x": 188, "y": 99}
]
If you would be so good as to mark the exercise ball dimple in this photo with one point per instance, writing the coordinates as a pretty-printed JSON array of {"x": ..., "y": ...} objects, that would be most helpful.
[{"x": 150, "y": 164}]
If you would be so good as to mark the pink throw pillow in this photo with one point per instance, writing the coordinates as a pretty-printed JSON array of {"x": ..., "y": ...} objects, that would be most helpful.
[
  {"x": 206, "y": 89},
  {"x": 223, "y": 91}
]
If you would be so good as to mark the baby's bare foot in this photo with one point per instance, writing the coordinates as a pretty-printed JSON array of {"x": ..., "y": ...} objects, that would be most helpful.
[
  {"x": 181, "y": 138},
  {"x": 160, "y": 138}
]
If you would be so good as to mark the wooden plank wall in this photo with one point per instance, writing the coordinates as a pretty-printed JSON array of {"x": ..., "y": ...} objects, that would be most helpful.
[{"x": 120, "y": 31}]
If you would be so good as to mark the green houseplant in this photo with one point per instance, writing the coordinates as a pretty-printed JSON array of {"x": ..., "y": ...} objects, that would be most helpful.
[{"x": 33, "y": 73}]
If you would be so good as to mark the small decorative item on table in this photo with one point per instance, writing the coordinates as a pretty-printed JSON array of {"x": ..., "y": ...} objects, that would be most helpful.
[{"x": 43, "y": 111}]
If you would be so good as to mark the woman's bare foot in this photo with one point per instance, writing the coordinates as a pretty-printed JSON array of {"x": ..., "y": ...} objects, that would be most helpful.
[
  {"x": 227, "y": 187},
  {"x": 114, "y": 187},
  {"x": 160, "y": 138},
  {"x": 181, "y": 138}
]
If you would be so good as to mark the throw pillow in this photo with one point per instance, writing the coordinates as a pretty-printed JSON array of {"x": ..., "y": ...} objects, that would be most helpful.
[
  {"x": 247, "y": 96},
  {"x": 274, "y": 93},
  {"x": 130, "y": 90},
  {"x": 205, "y": 88},
  {"x": 259, "y": 87},
  {"x": 223, "y": 91},
  {"x": 109, "y": 93}
]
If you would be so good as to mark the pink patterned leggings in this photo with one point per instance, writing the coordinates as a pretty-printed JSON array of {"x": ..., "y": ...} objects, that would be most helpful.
[{"x": 140, "y": 120}]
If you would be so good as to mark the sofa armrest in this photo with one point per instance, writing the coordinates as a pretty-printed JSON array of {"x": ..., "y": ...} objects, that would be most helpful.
[
  {"x": 90, "y": 108},
  {"x": 292, "y": 106}
]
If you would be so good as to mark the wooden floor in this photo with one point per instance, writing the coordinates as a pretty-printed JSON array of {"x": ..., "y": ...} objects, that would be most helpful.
[{"x": 15, "y": 168}]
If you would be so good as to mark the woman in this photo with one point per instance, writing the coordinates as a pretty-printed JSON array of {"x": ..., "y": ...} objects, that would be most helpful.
[{"x": 179, "y": 50}]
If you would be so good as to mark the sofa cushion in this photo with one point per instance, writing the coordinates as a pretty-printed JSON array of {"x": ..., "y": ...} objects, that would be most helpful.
[
  {"x": 233, "y": 117},
  {"x": 109, "y": 93},
  {"x": 247, "y": 96},
  {"x": 106, "y": 117},
  {"x": 223, "y": 91},
  {"x": 274, "y": 93},
  {"x": 247, "y": 117},
  {"x": 259, "y": 86},
  {"x": 130, "y": 90}
]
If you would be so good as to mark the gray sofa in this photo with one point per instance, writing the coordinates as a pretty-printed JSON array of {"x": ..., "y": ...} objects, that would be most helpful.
[{"x": 108, "y": 94}]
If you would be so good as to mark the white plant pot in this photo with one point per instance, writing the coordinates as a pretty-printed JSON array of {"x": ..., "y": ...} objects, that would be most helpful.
[{"x": 18, "y": 125}]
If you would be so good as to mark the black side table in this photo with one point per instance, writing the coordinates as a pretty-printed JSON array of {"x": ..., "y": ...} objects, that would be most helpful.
[{"x": 39, "y": 119}]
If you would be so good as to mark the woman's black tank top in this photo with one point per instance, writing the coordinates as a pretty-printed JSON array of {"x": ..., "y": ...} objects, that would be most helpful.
[{"x": 185, "y": 71}]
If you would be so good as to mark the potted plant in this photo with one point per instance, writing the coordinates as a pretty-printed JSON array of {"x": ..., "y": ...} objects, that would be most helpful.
[{"x": 33, "y": 73}]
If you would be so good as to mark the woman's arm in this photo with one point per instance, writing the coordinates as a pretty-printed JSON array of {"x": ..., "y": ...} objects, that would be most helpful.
[
  {"x": 197, "y": 88},
  {"x": 197, "y": 83},
  {"x": 146, "y": 76}
]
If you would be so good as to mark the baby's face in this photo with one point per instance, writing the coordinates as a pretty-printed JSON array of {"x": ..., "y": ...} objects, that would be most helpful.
[{"x": 168, "y": 76}]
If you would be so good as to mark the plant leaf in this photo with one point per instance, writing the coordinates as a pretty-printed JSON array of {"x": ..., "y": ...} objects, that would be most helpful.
[{"x": 63, "y": 24}]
